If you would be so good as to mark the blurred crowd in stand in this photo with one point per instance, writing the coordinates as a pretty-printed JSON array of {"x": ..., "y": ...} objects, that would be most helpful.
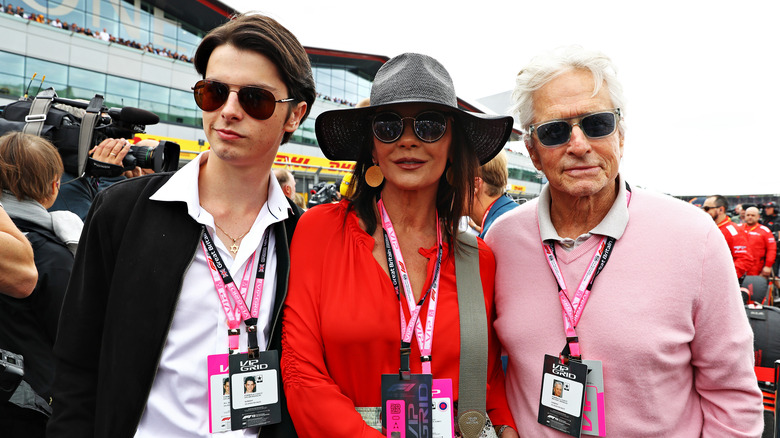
[
  {"x": 336, "y": 100},
  {"x": 99, "y": 34}
]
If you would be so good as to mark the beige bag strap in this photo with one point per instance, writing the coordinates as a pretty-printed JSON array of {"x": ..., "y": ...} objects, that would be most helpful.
[{"x": 473, "y": 338}]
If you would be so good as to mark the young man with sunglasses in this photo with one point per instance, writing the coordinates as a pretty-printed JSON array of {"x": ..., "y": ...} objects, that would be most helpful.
[
  {"x": 176, "y": 271},
  {"x": 716, "y": 206},
  {"x": 609, "y": 287}
]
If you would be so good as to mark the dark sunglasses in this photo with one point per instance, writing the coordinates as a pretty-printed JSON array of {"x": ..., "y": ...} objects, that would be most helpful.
[
  {"x": 708, "y": 208},
  {"x": 429, "y": 126},
  {"x": 260, "y": 104},
  {"x": 558, "y": 132}
]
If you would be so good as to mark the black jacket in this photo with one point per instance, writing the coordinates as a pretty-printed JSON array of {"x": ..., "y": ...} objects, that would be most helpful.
[
  {"x": 28, "y": 326},
  {"x": 132, "y": 252}
]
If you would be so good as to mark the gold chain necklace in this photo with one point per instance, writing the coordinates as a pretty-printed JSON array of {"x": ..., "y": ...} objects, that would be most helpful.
[{"x": 234, "y": 246}]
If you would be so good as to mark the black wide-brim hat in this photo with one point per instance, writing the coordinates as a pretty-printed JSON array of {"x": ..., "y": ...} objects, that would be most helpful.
[{"x": 409, "y": 78}]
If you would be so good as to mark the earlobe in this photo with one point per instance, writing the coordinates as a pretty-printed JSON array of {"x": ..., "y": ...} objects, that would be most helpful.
[
  {"x": 533, "y": 155},
  {"x": 295, "y": 117}
]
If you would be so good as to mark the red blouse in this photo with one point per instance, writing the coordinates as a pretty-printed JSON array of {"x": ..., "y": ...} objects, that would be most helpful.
[{"x": 341, "y": 328}]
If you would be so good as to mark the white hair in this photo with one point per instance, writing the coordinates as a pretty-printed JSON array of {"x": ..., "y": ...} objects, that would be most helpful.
[{"x": 544, "y": 68}]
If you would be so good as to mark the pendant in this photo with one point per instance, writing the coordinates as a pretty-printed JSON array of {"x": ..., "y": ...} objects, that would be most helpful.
[{"x": 234, "y": 248}]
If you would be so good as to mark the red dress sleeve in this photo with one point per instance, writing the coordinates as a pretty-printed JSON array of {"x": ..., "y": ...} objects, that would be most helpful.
[{"x": 316, "y": 403}]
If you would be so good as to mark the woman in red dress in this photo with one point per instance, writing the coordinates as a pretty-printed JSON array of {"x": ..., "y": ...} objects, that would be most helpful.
[{"x": 377, "y": 270}]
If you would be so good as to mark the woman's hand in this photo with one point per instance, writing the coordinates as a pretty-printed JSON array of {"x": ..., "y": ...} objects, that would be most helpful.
[{"x": 507, "y": 433}]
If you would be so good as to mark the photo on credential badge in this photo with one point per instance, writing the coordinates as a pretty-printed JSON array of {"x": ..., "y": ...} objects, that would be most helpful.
[
  {"x": 562, "y": 395},
  {"x": 219, "y": 394},
  {"x": 562, "y": 399},
  {"x": 257, "y": 388},
  {"x": 254, "y": 387}
]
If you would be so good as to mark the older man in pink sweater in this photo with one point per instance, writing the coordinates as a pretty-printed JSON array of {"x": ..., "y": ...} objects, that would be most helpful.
[{"x": 637, "y": 286}]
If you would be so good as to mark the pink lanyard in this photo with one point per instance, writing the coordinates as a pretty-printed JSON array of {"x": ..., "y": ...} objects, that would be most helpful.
[
  {"x": 223, "y": 280},
  {"x": 572, "y": 310},
  {"x": 424, "y": 338}
]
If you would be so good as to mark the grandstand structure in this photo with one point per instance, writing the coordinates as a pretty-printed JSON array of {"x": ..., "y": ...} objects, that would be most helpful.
[{"x": 138, "y": 53}]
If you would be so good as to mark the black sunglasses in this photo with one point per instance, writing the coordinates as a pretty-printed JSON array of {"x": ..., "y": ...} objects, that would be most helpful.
[
  {"x": 429, "y": 126},
  {"x": 260, "y": 104},
  {"x": 708, "y": 208},
  {"x": 558, "y": 132}
]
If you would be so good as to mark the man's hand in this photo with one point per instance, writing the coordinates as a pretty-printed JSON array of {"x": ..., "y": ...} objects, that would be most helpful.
[{"x": 766, "y": 272}]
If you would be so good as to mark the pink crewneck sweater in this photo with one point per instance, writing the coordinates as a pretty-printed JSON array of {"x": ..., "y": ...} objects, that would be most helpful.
[{"x": 665, "y": 318}]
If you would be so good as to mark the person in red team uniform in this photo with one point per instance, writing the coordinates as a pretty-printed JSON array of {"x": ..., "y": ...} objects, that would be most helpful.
[
  {"x": 716, "y": 207},
  {"x": 761, "y": 244}
]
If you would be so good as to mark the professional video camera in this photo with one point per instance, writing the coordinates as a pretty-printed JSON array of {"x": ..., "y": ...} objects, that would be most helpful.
[
  {"x": 74, "y": 135},
  {"x": 323, "y": 193},
  {"x": 11, "y": 373}
]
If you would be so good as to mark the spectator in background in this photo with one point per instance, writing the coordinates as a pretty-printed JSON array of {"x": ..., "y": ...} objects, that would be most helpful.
[
  {"x": 761, "y": 244},
  {"x": 666, "y": 297},
  {"x": 17, "y": 262},
  {"x": 769, "y": 217},
  {"x": 30, "y": 170},
  {"x": 346, "y": 187},
  {"x": 490, "y": 198},
  {"x": 9, "y": 9},
  {"x": 770, "y": 220},
  {"x": 286, "y": 180},
  {"x": 104, "y": 35},
  {"x": 299, "y": 201},
  {"x": 716, "y": 206},
  {"x": 740, "y": 212}
]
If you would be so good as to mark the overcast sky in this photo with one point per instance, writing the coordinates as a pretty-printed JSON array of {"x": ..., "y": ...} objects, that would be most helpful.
[{"x": 700, "y": 77}]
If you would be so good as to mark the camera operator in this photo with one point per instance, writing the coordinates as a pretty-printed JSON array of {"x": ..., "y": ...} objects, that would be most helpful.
[
  {"x": 30, "y": 172},
  {"x": 16, "y": 260},
  {"x": 76, "y": 194},
  {"x": 323, "y": 193}
]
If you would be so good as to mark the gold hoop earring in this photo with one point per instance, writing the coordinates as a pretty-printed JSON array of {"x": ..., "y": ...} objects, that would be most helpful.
[{"x": 374, "y": 176}]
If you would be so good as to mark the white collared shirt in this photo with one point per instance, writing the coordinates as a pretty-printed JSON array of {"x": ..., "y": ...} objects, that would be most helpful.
[
  {"x": 178, "y": 402},
  {"x": 613, "y": 224}
]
